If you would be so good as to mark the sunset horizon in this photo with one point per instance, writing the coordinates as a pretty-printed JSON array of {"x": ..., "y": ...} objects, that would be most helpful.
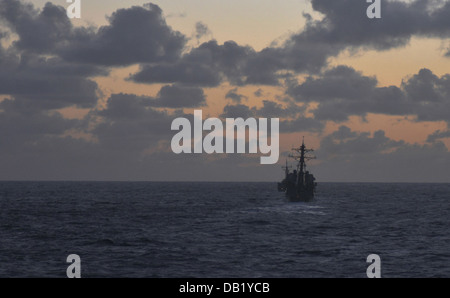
[{"x": 94, "y": 98}]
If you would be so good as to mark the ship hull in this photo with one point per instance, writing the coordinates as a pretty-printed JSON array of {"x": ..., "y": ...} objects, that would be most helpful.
[
  {"x": 282, "y": 186},
  {"x": 299, "y": 184},
  {"x": 306, "y": 197},
  {"x": 300, "y": 193},
  {"x": 296, "y": 195}
]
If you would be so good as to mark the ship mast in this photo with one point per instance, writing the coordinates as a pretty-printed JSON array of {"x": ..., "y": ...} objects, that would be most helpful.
[
  {"x": 286, "y": 169},
  {"x": 302, "y": 156},
  {"x": 299, "y": 185}
]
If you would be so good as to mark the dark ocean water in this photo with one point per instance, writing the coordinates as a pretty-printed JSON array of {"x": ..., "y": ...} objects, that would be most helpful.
[{"x": 153, "y": 229}]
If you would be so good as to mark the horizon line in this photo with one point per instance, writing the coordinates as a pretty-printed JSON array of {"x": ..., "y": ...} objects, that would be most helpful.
[{"x": 220, "y": 181}]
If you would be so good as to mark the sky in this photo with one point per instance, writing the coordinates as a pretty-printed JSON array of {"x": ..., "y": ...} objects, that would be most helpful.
[{"x": 94, "y": 98}]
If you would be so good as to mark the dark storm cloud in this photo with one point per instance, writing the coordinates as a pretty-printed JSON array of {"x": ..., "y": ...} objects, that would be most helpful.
[
  {"x": 134, "y": 35},
  {"x": 37, "y": 83},
  {"x": 258, "y": 93},
  {"x": 437, "y": 135},
  {"x": 207, "y": 65},
  {"x": 427, "y": 87},
  {"x": 236, "y": 111},
  {"x": 399, "y": 22},
  {"x": 183, "y": 72},
  {"x": 74, "y": 159},
  {"x": 345, "y": 25},
  {"x": 234, "y": 96},
  {"x": 23, "y": 123},
  {"x": 307, "y": 51},
  {"x": 38, "y": 32},
  {"x": 44, "y": 70},
  {"x": 28, "y": 71},
  {"x": 301, "y": 124},
  {"x": 23, "y": 128},
  {"x": 3, "y": 34},
  {"x": 33, "y": 147},
  {"x": 342, "y": 92},
  {"x": 130, "y": 126},
  {"x": 211, "y": 64},
  {"x": 303, "y": 55},
  {"x": 341, "y": 82},
  {"x": 49, "y": 83},
  {"x": 52, "y": 63},
  {"x": 344, "y": 142},
  {"x": 228, "y": 59},
  {"x": 170, "y": 96},
  {"x": 292, "y": 118},
  {"x": 262, "y": 67},
  {"x": 175, "y": 96},
  {"x": 201, "y": 30},
  {"x": 132, "y": 123},
  {"x": 273, "y": 109},
  {"x": 270, "y": 109},
  {"x": 141, "y": 35},
  {"x": 347, "y": 155}
]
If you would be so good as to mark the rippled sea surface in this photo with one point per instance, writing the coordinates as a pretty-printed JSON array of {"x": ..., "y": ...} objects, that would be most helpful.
[{"x": 154, "y": 229}]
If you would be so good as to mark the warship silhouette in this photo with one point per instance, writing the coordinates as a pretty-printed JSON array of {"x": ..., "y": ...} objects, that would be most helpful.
[{"x": 299, "y": 185}]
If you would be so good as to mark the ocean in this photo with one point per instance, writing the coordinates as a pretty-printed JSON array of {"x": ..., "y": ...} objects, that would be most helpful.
[{"x": 223, "y": 230}]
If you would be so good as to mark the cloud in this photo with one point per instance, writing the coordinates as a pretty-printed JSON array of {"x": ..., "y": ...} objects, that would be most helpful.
[
  {"x": 127, "y": 140},
  {"x": 344, "y": 143},
  {"x": 210, "y": 64},
  {"x": 236, "y": 111},
  {"x": 29, "y": 73},
  {"x": 141, "y": 35},
  {"x": 39, "y": 32},
  {"x": 258, "y": 93},
  {"x": 341, "y": 82},
  {"x": 427, "y": 87},
  {"x": 48, "y": 83},
  {"x": 128, "y": 127},
  {"x": 346, "y": 155},
  {"x": 43, "y": 71},
  {"x": 23, "y": 124},
  {"x": 234, "y": 96},
  {"x": 437, "y": 135},
  {"x": 400, "y": 21},
  {"x": 131, "y": 124},
  {"x": 292, "y": 118},
  {"x": 175, "y": 96},
  {"x": 201, "y": 30},
  {"x": 342, "y": 92},
  {"x": 207, "y": 65},
  {"x": 134, "y": 35},
  {"x": 301, "y": 124},
  {"x": 193, "y": 74},
  {"x": 51, "y": 65},
  {"x": 308, "y": 50},
  {"x": 169, "y": 96}
]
